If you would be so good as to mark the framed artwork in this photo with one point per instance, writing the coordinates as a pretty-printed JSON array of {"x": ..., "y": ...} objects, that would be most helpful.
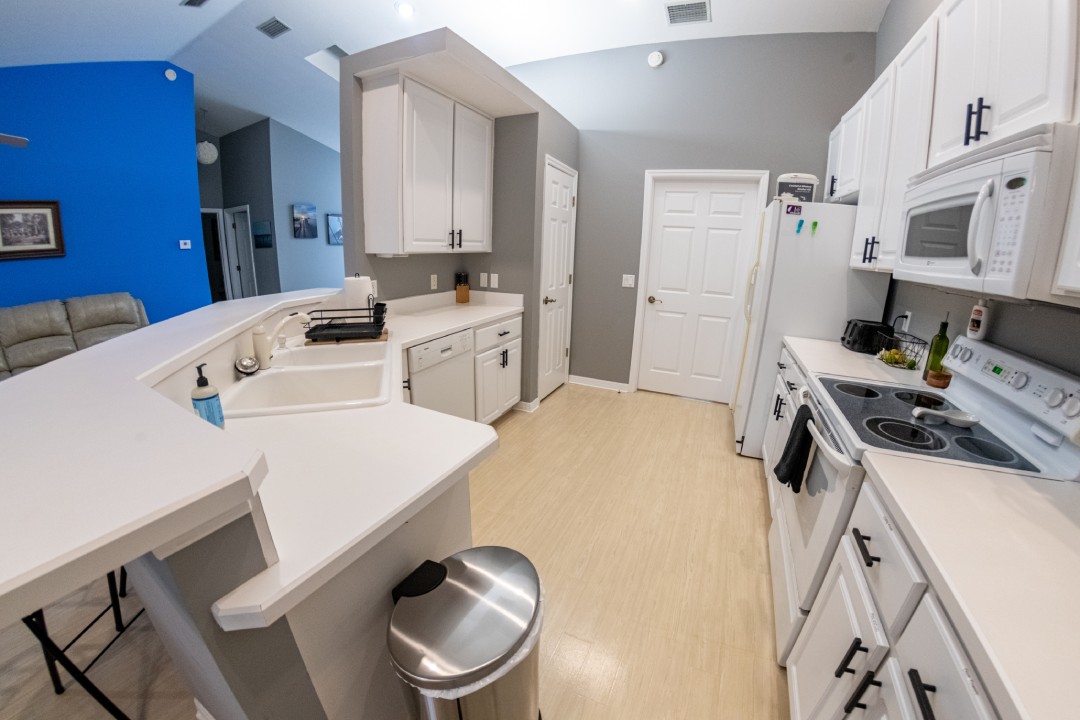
[
  {"x": 30, "y": 229},
  {"x": 335, "y": 232},
  {"x": 261, "y": 234},
  {"x": 304, "y": 223}
]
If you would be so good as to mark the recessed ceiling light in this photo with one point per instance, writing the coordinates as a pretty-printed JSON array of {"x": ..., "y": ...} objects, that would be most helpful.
[{"x": 405, "y": 9}]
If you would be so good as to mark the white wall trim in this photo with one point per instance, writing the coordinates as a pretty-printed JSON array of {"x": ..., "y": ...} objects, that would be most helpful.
[
  {"x": 761, "y": 177},
  {"x": 528, "y": 407},
  {"x": 602, "y": 384}
]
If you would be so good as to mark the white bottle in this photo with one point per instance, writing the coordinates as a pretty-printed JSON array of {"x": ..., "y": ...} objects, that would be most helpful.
[
  {"x": 261, "y": 344},
  {"x": 979, "y": 323}
]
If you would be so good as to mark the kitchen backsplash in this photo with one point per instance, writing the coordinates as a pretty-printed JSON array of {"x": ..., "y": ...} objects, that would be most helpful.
[{"x": 1049, "y": 333}]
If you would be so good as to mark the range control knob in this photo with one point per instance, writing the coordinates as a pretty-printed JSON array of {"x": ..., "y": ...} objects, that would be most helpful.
[
  {"x": 1055, "y": 398},
  {"x": 1071, "y": 407},
  {"x": 965, "y": 354},
  {"x": 956, "y": 350},
  {"x": 1019, "y": 380}
]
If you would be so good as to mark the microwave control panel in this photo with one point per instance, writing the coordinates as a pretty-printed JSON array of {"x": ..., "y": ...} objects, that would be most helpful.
[
  {"x": 1043, "y": 392},
  {"x": 1012, "y": 207}
]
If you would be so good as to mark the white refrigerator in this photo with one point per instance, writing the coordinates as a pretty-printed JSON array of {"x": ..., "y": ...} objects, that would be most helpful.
[{"x": 803, "y": 287}]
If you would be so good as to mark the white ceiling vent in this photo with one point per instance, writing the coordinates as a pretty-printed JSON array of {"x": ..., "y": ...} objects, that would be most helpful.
[
  {"x": 680, "y": 13},
  {"x": 273, "y": 28},
  {"x": 192, "y": 3}
]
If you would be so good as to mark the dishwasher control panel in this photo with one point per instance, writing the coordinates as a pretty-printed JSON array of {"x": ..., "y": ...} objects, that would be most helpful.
[{"x": 433, "y": 352}]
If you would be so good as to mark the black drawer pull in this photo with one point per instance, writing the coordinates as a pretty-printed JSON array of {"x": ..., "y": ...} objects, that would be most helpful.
[
  {"x": 921, "y": 697},
  {"x": 790, "y": 385},
  {"x": 856, "y": 646},
  {"x": 781, "y": 365},
  {"x": 504, "y": 332},
  {"x": 860, "y": 541},
  {"x": 779, "y": 409},
  {"x": 860, "y": 690}
]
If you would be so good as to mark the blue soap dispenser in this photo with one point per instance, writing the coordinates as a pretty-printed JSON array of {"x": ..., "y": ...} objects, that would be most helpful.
[{"x": 206, "y": 400}]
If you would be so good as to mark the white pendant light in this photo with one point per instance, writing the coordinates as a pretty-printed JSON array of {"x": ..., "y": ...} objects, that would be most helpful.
[
  {"x": 405, "y": 9},
  {"x": 206, "y": 152}
]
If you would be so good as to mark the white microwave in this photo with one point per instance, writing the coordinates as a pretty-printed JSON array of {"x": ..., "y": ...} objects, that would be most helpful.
[{"x": 977, "y": 224}]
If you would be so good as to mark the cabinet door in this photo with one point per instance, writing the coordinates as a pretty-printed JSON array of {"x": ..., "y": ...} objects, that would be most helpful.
[
  {"x": 488, "y": 372},
  {"x": 1068, "y": 269},
  {"x": 887, "y": 701},
  {"x": 510, "y": 376},
  {"x": 879, "y": 117},
  {"x": 842, "y": 635},
  {"x": 1032, "y": 64},
  {"x": 769, "y": 452},
  {"x": 427, "y": 182},
  {"x": 961, "y": 73},
  {"x": 852, "y": 125},
  {"x": 929, "y": 648},
  {"x": 913, "y": 103},
  {"x": 832, "y": 170},
  {"x": 474, "y": 141}
]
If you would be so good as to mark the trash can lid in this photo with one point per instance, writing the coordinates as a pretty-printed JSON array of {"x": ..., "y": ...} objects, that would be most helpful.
[{"x": 470, "y": 624}]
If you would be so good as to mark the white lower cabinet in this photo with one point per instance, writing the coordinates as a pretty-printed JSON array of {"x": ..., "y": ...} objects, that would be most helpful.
[{"x": 498, "y": 369}]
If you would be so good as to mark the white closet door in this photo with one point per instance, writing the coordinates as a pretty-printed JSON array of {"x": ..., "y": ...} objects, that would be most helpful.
[
  {"x": 474, "y": 141},
  {"x": 878, "y": 103},
  {"x": 961, "y": 73},
  {"x": 427, "y": 192}
]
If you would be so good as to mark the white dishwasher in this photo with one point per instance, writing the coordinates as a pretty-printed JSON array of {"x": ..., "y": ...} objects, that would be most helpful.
[{"x": 441, "y": 375}]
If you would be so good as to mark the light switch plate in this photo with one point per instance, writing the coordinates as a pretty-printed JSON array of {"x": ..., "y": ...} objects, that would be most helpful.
[
  {"x": 483, "y": 279},
  {"x": 434, "y": 282},
  {"x": 185, "y": 244},
  {"x": 494, "y": 280},
  {"x": 628, "y": 281}
]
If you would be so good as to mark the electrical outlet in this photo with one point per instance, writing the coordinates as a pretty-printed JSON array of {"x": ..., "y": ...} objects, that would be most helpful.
[
  {"x": 628, "y": 281},
  {"x": 494, "y": 280},
  {"x": 483, "y": 279},
  {"x": 375, "y": 288},
  {"x": 185, "y": 244},
  {"x": 905, "y": 322},
  {"x": 434, "y": 282}
]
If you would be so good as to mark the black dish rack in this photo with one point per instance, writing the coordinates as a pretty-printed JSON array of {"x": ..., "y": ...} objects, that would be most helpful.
[{"x": 335, "y": 326}]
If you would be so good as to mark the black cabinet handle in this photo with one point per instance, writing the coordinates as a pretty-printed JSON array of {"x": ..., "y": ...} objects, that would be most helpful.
[
  {"x": 779, "y": 409},
  {"x": 451, "y": 239},
  {"x": 832, "y": 186},
  {"x": 459, "y": 238},
  {"x": 505, "y": 358},
  {"x": 873, "y": 246},
  {"x": 866, "y": 250},
  {"x": 856, "y": 646},
  {"x": 781, "y": 365},
  {"x": 921, "y": 697},
  {"x": 504, "y": 332},
  {"x": 979, "y": 132},
  {"x": 860, "y": 690},
  {"x": 967, "y": 125},
  {"x": 860, "y": 541},
  {"x": 791, "y": 385},
  {"x": 776, "y": 406}
]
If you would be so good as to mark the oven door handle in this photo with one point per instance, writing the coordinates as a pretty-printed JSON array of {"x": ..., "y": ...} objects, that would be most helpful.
[
  {"x": 837, "y": 460},
  {"x": 985, "y": 194}
]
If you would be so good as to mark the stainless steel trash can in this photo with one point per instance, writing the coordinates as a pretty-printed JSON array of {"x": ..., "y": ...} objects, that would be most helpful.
[{"x": 464, "y": 635}]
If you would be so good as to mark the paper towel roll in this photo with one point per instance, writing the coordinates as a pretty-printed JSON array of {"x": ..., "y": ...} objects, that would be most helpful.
[{"x": 357, "y": 290}]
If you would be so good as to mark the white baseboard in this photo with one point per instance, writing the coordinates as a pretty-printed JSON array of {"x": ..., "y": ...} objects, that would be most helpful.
[
  {"x": 528, "y": 407},
  {"x": 602, "y": 384}
]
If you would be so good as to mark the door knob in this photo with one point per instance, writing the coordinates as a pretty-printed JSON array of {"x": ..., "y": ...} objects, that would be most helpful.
[
  {"x": 652, "y": 299},
  {"x": 549, "y": 300}
]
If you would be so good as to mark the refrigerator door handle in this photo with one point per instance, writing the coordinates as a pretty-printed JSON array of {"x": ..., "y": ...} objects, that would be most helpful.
[{"x": 751, "y": 283}]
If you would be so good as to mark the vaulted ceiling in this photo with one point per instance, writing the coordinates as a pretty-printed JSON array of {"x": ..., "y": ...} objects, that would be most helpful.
[{"x": 241, "y": 75}]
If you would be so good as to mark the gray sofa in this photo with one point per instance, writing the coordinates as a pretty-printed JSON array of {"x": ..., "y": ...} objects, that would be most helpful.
[{"x": 34, "y": 334}]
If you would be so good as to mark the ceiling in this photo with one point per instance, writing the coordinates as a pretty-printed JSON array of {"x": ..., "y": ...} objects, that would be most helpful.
[{"x": 242, "y": 76}]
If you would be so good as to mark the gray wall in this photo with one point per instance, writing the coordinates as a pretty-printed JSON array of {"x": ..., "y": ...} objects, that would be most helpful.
[
  {"x": 901, "y": 20},
  {"x": 304, "y": 170},
  {"x": 753, "y": 103},
  {"x": 209, "y": 175},
  {"x": 246, "y": 180}
]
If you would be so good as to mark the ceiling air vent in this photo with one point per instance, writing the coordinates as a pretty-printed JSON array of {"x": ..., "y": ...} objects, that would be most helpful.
[
  {"x": 192, "y": 3},
  {"x": 273, "y": 27},
  {"x": 680, "y": 13}
]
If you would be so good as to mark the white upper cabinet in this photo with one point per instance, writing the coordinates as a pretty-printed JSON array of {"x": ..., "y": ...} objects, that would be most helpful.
[
  {"x": 846, "y": 161},
  {"x": 1003, "y": 66},
  {"x": 898, "y": 113},
  {"x": 427, "y": 170}
]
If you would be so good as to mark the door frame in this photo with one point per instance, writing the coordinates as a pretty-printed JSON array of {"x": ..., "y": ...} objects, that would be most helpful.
[
  {"x": 223, "y": 248},
  {"x": 550, "y": 161},
  {"x": 761, "y": 177},
  {"x": 229, "y": 213}
]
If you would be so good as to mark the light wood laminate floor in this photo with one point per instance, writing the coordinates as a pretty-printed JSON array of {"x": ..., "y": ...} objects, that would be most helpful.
[{"x": 649, "y": 534}]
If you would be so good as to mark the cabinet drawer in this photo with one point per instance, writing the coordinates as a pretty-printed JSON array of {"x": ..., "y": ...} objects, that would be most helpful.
[
  {"x": 930, "y": 654},
  {"x": 790, "y": 372},
  {"x": 500, "y": 332},
  {"x": 895, "y": 579}
]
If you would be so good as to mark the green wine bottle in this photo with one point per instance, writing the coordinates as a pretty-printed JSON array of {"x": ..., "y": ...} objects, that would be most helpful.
[{"x": 939, "y": 345}]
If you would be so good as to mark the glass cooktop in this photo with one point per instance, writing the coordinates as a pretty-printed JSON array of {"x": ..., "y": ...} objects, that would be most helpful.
[{"x": 881, "y": 417}]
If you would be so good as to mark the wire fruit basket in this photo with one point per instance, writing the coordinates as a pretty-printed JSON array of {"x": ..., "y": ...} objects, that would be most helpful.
[{"x": 901, "y": 350}]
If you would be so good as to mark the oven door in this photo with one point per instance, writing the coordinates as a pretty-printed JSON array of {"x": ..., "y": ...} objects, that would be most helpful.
[
  {"x": 949, "y": 227},
  {"x": 817, "y": 515}
]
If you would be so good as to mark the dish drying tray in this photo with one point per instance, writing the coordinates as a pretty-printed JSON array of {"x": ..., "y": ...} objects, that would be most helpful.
[{"x": 346, "y": 325}]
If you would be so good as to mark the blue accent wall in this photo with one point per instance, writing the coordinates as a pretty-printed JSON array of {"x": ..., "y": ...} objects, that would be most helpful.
[{"x": 114, "y": 143}]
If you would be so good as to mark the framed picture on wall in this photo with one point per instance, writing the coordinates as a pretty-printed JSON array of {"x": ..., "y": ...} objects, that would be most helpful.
[
  {"x": 262, "y": 235},
  {"x": 30, "y": 229},
  {"x": 304, "y": 223},
  {"x": 335, "y": 232}
]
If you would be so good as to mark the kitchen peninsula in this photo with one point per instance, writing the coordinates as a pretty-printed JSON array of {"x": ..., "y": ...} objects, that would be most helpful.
[{"x": 264, "y": 553}]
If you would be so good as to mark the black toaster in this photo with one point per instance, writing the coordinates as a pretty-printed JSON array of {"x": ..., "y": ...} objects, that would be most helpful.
[{"x": 865, "y": 336}]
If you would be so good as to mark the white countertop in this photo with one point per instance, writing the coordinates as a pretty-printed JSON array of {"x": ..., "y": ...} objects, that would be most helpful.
[
  {"x": 96, "y": 468},
  {"x": 1002, "y": 552}
]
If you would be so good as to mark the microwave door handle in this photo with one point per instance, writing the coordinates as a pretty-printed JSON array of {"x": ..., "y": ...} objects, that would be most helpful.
[
  {"x": 985, "y": 194},
  {"x": 838, "y": 461}
]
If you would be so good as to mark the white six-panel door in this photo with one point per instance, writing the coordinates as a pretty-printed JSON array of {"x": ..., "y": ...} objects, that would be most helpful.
[
  {"x": 702, "y": 242},
  {"x": 557, "y": 265}
]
